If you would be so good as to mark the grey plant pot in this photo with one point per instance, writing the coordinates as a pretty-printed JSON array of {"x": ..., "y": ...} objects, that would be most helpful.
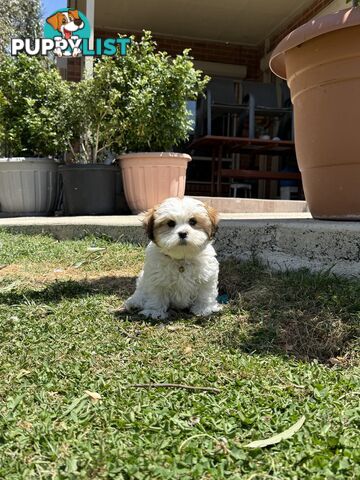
[
  {"x": 28, "y": 185},
  {"x": 89, "y": 189}
]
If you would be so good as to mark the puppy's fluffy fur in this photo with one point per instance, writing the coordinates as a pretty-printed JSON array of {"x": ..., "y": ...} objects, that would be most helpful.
[{"x": 181, "y": 269}]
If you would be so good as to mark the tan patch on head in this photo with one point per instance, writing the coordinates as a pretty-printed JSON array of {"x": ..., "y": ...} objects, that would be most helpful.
[
  {"x": 148, "y": 222},
  {"x": 213, "y": 220}
]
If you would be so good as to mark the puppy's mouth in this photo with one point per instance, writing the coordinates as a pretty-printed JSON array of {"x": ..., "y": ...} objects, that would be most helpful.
[
  {"x": 183, "y": 241},
  {"x": 67, "y": 34}
]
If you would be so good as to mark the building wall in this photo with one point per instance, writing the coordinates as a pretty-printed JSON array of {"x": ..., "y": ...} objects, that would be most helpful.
[
  {"x": 309, "y": 13},
  {"x": 209, "y": 51},
  {"x": 73, "y": 70},
  {"x": 205, "y": 51}
]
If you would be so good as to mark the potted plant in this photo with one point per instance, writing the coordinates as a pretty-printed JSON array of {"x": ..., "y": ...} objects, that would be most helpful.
[
  {"x": 33, "y": 101},
  {"x": 89, "y": 178},
  {"x": 320, "y": 61},
  {"x": 152, "y": 118}
]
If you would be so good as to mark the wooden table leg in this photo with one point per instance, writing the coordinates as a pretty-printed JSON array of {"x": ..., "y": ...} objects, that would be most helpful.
[
  {"x": 213, "y": 162},
  {"x": 262, "y": 183},
  {"x": 219, "y": 165}
]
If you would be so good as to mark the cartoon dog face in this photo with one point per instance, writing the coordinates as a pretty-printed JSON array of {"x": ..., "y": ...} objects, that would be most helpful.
[{"x": 66, "y": 22}]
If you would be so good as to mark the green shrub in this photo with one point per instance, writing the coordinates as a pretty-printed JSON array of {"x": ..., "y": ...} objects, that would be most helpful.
[
  {"x": 149, "y": 91},
  {"x": 35, "y": 108},
  {"x": 95, "y": 116},
  {"x": 133, "y": 103}
]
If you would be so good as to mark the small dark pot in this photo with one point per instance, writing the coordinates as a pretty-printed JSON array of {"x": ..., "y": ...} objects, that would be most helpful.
[{"x": 89, "y": 189}]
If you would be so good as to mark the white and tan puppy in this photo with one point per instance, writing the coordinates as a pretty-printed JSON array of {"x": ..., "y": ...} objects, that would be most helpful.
[{"x": 181, "y": 269}]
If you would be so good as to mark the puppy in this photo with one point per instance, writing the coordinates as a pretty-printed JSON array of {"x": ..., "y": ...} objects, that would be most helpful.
[
  {"x": 181, "y": 269},
  {"x": 66, "y": 23}
]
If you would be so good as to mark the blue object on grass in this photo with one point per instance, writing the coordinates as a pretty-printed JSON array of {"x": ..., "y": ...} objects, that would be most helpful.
[{"x": 223, "y": 299}]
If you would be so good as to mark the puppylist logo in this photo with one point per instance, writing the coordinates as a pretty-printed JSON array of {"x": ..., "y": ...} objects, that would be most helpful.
[{"x": 67, "y": 32}]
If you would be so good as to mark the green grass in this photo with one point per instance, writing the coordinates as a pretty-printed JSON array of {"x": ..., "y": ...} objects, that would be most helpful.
[{"x": 285, "y": 346}]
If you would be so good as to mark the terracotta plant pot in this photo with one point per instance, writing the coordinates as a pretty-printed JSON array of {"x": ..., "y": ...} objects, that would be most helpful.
[
  {"x": 321, "y": 63},
  {"x": 149, "y": 178}
]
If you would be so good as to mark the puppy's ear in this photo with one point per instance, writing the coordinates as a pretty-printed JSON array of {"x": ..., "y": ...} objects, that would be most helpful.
[
  {"x": 214, "y": 219},
  {"x": 55, "y": 20},
  {"x": 148, "y": 222}
]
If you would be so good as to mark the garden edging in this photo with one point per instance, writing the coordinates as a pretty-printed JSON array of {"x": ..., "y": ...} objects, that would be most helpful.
[{"x": 283, "y": 241}]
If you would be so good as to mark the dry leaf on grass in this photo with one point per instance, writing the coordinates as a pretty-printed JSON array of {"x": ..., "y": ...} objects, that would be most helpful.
[
  {"x": 194, "y": 421},
  {"x": 94, "y": 396},
  {"x": 174, "y": 328},
  {"x": 78, "y": 264},
  {"x": 279, "y": 437},
  {"x": 25, "y": 424}
]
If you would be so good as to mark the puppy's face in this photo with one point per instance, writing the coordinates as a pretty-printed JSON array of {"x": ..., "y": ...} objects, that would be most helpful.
[{"x": 181, "y": 227}]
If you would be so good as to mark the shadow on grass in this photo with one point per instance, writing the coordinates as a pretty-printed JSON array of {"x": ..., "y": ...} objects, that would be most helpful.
[
  {"x": 70, "y": 289},
  {"x": 300, "y": 314}
]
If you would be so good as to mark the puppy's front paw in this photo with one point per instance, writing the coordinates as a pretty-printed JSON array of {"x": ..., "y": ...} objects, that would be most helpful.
[
  {"x": 76, "y": 52},
  {"x": 131, "y": 304},
  {"x": 154, "y": 314},
  {"x": 205, "y": 310}
]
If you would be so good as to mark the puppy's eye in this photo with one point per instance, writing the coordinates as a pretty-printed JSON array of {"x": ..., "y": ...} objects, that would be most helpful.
[
  {"x": 64, "y": 20},
  {"x": 192, "y": 221},
  {"x": 171, "y": 223}
]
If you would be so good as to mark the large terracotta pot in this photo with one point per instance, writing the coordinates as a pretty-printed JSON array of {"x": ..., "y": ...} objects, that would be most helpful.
[
  {"x": 321, "y": 63},
  {"x": 149, "y": 178}
]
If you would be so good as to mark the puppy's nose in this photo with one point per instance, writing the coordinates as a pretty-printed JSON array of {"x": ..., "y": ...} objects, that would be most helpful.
[
  {"x": 182, "y": 234},
  {"x": 78, "y": 21}
]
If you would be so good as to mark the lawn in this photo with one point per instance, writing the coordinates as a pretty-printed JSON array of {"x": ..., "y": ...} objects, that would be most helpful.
[{"x": 285, "y": 346}]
